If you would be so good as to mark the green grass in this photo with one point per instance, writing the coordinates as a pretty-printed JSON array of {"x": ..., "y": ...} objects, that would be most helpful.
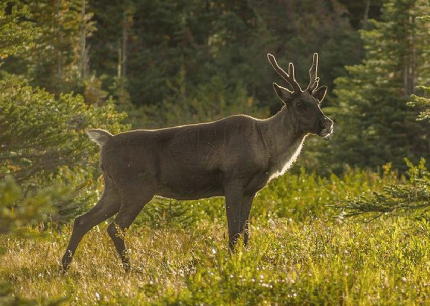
[
  {"x": 287, "y": 262},
  {"x": 300, "y": 253}
]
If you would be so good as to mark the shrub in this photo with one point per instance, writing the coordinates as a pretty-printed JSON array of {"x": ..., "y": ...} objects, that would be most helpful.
[{"x": 43, "y": 142}]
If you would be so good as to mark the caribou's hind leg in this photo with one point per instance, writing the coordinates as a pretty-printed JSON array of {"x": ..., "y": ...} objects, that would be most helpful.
[
  {"x": 108, "y": 206},
  {"x": 135, "y": 198}
]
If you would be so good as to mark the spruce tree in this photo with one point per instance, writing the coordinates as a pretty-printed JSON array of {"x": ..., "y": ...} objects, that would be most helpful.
[
  {"x": 374, "y": 124},
  {"x": 57, "y": 55},
  {"x": 43, "y": 146}
]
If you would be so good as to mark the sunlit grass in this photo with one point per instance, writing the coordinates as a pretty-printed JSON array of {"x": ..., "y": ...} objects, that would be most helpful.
[
  {"x": 341, "y": 262},
  {"x": 301, "y": 252}
]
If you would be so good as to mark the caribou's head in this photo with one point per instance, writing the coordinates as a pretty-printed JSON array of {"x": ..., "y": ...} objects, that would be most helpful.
[{"x": 305, "y": 104}]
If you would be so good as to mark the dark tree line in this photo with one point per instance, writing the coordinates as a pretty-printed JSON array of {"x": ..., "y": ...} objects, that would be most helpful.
[{"x": 137, "y": 48}]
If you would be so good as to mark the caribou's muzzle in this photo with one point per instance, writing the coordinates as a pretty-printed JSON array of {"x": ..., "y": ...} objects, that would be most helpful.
[{"x": 326, "y": 126}]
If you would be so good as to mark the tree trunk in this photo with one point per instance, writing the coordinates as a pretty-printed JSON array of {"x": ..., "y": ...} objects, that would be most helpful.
[{"x": 83, "y": 45}]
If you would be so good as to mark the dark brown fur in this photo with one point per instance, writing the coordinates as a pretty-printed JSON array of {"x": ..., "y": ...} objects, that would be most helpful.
[{"x": 233, "y": 157}]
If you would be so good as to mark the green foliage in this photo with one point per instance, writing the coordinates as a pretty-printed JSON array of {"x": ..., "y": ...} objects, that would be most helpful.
[
  {"x": 56, "y": 59},
  {"x": 374, "y": 124},
  {"x": 46, "y": 42},
  {"x": 203, "y": 103},
  {"x": 422, "y": 103},
  {"x": 307, "y": 196},
  {"x": 411, "y": 198},
  {"x": 16, "y": 213},
  {"x": 16, "y": 36},
  {"x": 44, "y": 144},
  {"x": 315, "y": 264},
  {"x": 227, "y": 39}
]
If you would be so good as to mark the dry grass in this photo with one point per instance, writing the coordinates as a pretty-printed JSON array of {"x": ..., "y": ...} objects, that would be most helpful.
[{"x": 320, "y": 262}]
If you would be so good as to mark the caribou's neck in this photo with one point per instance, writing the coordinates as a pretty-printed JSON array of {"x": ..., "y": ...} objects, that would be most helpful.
[{"x": 283, "y": 139}]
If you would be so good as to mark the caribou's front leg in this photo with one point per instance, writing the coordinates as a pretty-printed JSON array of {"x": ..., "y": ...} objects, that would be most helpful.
[
  {"x": 244, "y": 216},
  {"x": 233, "y": 206}
]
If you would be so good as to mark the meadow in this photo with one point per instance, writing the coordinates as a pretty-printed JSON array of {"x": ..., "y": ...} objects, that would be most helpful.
[
  {"x": 356, "y": 239},
  {"x": 303, "y": 250}
]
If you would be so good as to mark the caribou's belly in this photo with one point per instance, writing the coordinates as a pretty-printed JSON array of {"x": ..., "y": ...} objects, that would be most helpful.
[{"x": 191, "y": 186}]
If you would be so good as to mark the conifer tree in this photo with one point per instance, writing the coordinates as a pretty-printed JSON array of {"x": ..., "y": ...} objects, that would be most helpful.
[
  {"x": 42, "y": 137},
  {"x": 17, "y": 34},
  {"x": 223, "y": 39},
  {"x": 57, "y": 56},
  {"x": 411, "y": 198},
  {"x": 374, "y": 124}
]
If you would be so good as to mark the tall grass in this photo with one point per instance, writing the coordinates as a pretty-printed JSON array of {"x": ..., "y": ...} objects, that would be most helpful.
[{"x": 301, "y": 252}]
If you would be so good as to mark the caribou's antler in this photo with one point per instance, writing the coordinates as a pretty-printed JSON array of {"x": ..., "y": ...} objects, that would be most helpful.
[
  {"x": 290, "y": 77},
  {"x": 314, "y": 79}
]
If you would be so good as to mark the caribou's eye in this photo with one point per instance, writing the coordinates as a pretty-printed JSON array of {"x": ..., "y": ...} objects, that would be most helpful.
[{"x": 301, "y": 106}]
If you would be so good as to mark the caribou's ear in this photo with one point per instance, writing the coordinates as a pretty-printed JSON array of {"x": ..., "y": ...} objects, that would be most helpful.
[
  {"x": 320, "y": 93},
  {"x": 284, "y": 94}
]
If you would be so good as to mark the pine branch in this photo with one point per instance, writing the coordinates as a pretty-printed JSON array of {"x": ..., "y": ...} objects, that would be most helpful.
[{"x": 411, "y": 198}]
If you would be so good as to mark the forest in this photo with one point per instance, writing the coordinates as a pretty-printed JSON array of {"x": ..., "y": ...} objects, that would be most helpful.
[{"x": 348, "y": 224}]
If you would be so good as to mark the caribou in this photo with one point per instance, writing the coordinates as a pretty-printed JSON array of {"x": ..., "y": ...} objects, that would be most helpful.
[{"x": 234, "y": 157}]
